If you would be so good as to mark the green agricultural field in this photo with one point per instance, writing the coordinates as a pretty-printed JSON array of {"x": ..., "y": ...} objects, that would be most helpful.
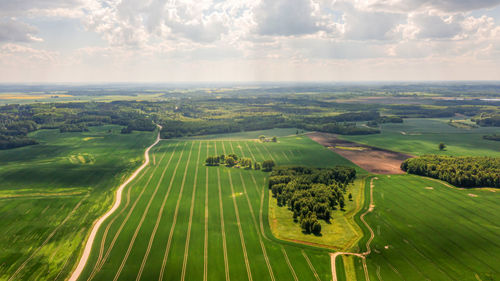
[
  {"x": 51, "y": 193},
  {"x": 425, "y": 230},
  {"x": 181, "y": 220},
  {"x": 422, "y": 136},
  {"x": 277, "y": 132}
]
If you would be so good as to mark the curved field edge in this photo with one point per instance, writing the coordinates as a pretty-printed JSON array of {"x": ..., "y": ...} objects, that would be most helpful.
[
  {"x": 318, "y": 257},
  {"x": 338, "y": 242},
  {"x": 126, "y": 180},
  {"x": 361, "y": 247},
  {"x": 35, "y": 173},
  {"x": 409, "y": 243}
]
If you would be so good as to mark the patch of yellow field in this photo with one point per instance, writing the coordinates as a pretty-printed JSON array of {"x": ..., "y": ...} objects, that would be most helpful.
[
  {"x": 81, "y": 158},
  {"x": 91, "y": 138},
  {"x": 31, "y": 96},
  {"x": 237, "y": 194},
  {"x": 356, "y": 148}
]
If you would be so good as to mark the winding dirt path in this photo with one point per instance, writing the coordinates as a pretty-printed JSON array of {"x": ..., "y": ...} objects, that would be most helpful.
[
  {"x": 363, "y": 255},
  {"x": 90, "y": 241}
]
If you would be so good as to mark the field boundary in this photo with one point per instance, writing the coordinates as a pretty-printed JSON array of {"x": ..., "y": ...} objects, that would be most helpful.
[
  {"x": 223, "y": 231},
  {"x": 100, "y": 262},
  {"x": 238, "y": 222},
  {"x": 191, "y": 210},
  {"x": 176, "y": 212},
  {"x": 362, "y": 255},
  {"x": 90, "y": 240},
  {"x": 160, "y": 213}
]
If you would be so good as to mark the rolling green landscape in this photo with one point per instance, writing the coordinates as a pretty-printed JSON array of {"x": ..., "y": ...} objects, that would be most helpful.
[
  {"x": 80, "y": 201},
  {"x": 191, "y": 221},
  {"x": 240, "y": 140},
  {"x": 51, "y": 193},
  {"x": 422, "y": 136}
]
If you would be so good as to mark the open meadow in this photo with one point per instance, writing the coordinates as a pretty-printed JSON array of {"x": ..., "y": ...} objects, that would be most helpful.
[
  {"x": 422, "y": 136},
  {"x": 51, "y": 193}
]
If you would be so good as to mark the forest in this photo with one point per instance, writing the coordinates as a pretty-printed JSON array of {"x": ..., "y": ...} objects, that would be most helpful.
[
  {"x": 311, "y": 193},
  {"x": 465, "y": 171},
  {"x": 198, "y": 112}
]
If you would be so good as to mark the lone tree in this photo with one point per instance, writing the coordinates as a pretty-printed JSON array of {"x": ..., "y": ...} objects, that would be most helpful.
[
  {"x": 341, "y": 203},
  {"x": 262, "y": 138},
  {"x": 274, "y": 139},
  {"x": 350, "y": 196},
  {"x": 442, "y": 146},
  {"x": 256, "y": 166},
  {"x": 268, "y": 165}
]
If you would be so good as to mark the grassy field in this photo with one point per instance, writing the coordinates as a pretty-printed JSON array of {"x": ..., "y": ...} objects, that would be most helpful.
[
  {"x": 422, "y": 136},
  {"x": 341, "y": 233},
  {"x": 449, "y": 234},
  {"x": 182, "y": 220},
  {"x": 277, "y": 132},
  {"x": 51, "y": 193}
]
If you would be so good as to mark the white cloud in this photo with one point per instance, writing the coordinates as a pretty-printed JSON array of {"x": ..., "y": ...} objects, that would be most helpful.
[
  {"x": 435, "y": 26},
  {"x": 363, "y": 24},
  {"x": 13, "y": 8},
  {"x": 287, "y": 17},
  {"x": 12, "y": 30},
  {"x": 14, "y": 55},
  {"x": 280, "y": 39},
  {"x": 423, "y": 5}
]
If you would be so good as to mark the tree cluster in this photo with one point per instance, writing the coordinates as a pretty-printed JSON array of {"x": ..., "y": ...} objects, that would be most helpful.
[
  {"x": 311, "y": 193},
  {"x": 263, "y": 138},
  {"x": 493, "y": 137},
  {"x": 464, "y": 171},
  {"x": 233, "y": 160},
  {"x": 73, "y": 128},
  {"x": 492, "y": 120},
  {"x": 7, "y": 142}
]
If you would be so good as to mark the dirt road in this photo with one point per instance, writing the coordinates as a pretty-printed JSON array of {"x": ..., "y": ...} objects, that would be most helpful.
[
  {"x": 363, "y": 255},
  {"x": 88, "y": 247}
]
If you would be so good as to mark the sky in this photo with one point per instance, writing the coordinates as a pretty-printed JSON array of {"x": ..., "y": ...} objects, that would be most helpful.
[{"x": 55, "y": 41}]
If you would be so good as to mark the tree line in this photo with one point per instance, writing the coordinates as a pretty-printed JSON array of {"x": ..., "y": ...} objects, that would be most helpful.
[
  {"x": 463, "y": 171},
  {"x": 233, "y": 160},
  {"x": 493, "y": 137},
  {"x": 17, "y": 121},
  {"x": 311, "y": 193},
  {"x": 486, "y": 120}
]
